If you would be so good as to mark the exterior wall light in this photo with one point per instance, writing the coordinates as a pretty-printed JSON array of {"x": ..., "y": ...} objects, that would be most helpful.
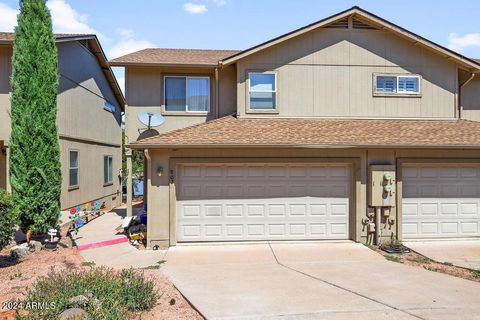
[{"x": 160, "y": 171}]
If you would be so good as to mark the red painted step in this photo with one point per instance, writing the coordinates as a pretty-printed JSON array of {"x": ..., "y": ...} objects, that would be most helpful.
[{"x": 100, "y": 244}]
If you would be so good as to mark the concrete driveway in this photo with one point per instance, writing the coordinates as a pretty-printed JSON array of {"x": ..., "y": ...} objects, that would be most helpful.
[
  {"x": 461, "y": 253},
  {"x": 314, "y": 281}
]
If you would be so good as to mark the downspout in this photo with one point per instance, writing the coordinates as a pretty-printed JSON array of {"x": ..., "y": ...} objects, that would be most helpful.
[
  {"x": 217, "y": 100},
  {"x": 146, "y": 197},
  {"x": 460, "y": 107}
]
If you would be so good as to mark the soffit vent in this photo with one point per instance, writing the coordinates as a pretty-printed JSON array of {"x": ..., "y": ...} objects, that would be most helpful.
[
  {"x": 359, "y": 24},
  {"x": 86, "y": 44},
  {"x": 83, "y": 43},
  {"x": 340, "y": 24}
]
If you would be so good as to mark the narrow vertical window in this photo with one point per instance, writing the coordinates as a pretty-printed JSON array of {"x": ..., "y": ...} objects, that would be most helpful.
[
  {"x": 107, "y": 169},
  {"x": 73, "y": 169}
]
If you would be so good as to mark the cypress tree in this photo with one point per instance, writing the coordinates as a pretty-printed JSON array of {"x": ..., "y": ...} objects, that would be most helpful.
[{"x": 35, "y": 169}]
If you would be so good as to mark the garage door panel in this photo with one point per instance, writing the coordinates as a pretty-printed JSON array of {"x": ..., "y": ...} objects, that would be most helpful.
[
  {"x": 440, "y": 201},
  {"x": 235, "y": 206}
]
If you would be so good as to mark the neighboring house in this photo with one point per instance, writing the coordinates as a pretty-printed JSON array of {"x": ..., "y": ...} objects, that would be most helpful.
[
  {"x": 282, "y": 141},
  {"x": 90, "y": 104}
]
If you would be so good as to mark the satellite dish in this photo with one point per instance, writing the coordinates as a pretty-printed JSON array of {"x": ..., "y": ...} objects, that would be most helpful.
[{"x": 151, "y": 119}]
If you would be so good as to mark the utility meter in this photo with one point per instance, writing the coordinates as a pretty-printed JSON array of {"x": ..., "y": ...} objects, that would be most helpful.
[{"x": 382, "y": 186}]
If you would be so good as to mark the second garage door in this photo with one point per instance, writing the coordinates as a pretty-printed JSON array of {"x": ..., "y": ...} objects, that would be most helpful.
[
  {"x": 441, "y": 201},
  {"x": 223, "y": 202}
]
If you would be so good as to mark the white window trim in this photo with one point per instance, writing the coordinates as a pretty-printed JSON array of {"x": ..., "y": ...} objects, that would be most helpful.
[
  {"x": 270, "y": 91},
  {"x": 186, "y": 90},
  {"x": 76, "y": 186},
  {"x": 397, "y": 93},
  {"x": 110, "y": 182}
]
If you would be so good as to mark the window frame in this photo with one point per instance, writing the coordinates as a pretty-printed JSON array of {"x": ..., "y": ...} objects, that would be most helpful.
[
  {"x": 110, "y": 168},
  {"x": 186, "y": 111},
  {"x": 247, "y": 87},
  {"x": 397, "y": 93},
  {"x": 76, "y": 186}
]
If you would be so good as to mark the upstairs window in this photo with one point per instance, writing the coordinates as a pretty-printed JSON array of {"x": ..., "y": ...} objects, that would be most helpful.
[
  {"x": 262, "y": 91},
  {"x": 187, "y": 94},
  {"x": 397, "y": 84}
]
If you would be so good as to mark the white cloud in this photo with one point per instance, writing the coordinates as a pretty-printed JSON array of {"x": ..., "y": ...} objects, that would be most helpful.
[
  {"x": 195, "y": 8},
  {"x": 458, "y": 43},
  {"x": 127, "y": 44},
  {"x": 9, "y": 18},
  {"x": 66, "y": 20}
]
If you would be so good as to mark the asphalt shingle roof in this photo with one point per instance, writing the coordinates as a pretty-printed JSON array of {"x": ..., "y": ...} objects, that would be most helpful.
[
  {"x": 174, "y": 56},
  {"x": 232, "y": 131}
]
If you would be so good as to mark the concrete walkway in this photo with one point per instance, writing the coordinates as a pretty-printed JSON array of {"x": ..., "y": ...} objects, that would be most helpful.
[
  {"x": 314, "y": 281},
  {"x": 120, "y": 255},
  {"x": 461, "y": 253}
]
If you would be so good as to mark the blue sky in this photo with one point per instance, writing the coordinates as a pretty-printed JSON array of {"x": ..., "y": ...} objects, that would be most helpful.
[{"x": 129, "y": 25}]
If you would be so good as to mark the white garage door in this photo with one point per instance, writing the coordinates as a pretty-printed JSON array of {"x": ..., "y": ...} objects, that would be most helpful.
[
  {"x": 220, "y": 202},
  {"x": 441, "y": 202}
]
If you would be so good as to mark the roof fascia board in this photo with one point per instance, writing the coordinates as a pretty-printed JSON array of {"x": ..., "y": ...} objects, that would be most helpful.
[
  {"x": 112, "y": 80},
  {"x": 309, "y": 146},
  {"x": 141, "y": 64}
]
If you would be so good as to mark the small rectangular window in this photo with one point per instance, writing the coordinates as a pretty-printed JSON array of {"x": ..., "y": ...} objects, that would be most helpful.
[
  {"x": 73, "y": 168},
  {"x": 187, "y": 94},
  {"x": 109, "y": 107},
  {"x": 262, "y": 91},
  {"x": 397, "y": 84},
  {"x": 108, "y": 169}
]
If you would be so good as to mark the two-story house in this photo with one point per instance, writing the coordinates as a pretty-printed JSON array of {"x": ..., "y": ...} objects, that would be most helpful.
[
  {"x": 348, "y": 128},
  {"x": 89, "y": 120}
]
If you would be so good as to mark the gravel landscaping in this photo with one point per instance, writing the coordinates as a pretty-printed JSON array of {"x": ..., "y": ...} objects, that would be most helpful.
[{"x": 17, "y": 277}]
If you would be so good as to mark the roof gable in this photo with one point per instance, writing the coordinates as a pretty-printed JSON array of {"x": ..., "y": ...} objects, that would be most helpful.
[
  {"x": 360, "y": 19},
  {"x": 96, "y": 49}
]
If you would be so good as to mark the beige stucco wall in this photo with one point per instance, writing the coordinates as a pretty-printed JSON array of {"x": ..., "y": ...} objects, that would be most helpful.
[
  {"x": 329, "y": 73},
  {"x": 82, "y": 122},
  {"x": 470, "y": 99},
  {"x": 144, "y": 93},
  {"x": 161, "y": 194}
]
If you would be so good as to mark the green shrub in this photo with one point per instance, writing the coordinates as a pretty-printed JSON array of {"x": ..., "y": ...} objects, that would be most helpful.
[
  {"x": 111, "y": 294},
  {"x": 8, "y": 218}
]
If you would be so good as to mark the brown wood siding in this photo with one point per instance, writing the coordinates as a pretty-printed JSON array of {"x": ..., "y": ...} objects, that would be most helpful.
[
  {"x": 144, "y": 92},
  {"x": 329, "y": 73},
  {"x": 470, "y": 99}
]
